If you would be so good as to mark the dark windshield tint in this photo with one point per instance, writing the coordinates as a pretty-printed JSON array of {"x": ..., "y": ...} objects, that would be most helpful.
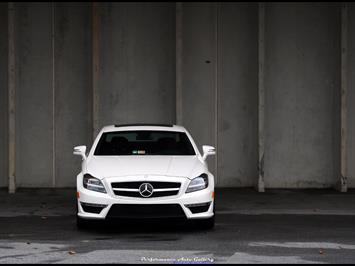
[{"x": 144, "y": 143}]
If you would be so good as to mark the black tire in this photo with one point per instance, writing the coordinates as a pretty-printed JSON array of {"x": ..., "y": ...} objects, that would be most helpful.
[
  {"x": 81, "y": 224},
  {"x": 207, "y": 224}
]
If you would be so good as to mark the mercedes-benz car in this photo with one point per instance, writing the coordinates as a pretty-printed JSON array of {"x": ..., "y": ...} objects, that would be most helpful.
[{"x": 145, "y": 171}]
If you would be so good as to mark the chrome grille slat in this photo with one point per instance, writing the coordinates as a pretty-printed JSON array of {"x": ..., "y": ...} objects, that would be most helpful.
[
  {"x": 166, "y": 189},
  {"x": 126, "y": 189}
]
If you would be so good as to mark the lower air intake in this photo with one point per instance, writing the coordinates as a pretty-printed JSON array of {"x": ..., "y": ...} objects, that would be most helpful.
[{"x": 146, "y": 211}]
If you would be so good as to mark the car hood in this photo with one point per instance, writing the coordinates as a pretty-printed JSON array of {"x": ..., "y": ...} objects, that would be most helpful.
[{"x": 116, "y": 166}]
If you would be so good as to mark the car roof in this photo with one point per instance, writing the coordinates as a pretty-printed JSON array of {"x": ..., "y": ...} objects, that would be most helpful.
[{"x": 132, "y": 127}]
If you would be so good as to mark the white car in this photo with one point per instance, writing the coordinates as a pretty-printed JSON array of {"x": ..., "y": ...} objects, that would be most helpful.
[{"x": 145, "y": 171}]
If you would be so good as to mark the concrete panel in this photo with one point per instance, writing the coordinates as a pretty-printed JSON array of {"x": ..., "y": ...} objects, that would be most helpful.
[
  {"x": 351, "y": 96},
  {"x": 198, "y": 76},
  {"x": 72, "y": 87},
  {"x": 302, "y": 95},
  {"x": 137, "y": 63},
  {"x": 3, "y": 96},
  {"x": 238, "y": 94},
  {"x": 34, "y": 141}
]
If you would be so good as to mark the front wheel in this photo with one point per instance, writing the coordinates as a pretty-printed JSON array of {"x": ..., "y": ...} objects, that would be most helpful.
[
  {"x": 81, "y": 223},
  {"x": 207, "y": 223},
  {"x": 210, "y": 222}
]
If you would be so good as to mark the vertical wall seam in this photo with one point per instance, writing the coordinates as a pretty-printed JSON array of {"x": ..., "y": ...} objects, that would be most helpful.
[
  {"x": 216, "y": 96},
  {"x": 261, "y": 96},
  {"x": 53, "y": 99},
  {"x": 344, "y": 88},
  {"x": 178, "y": 61},
  {"x": 95, "y": 67},
  {"x": 11, "y": 99}
]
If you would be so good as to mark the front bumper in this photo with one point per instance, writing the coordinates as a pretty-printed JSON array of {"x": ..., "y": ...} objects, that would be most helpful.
[{"x": 184, "y": 205}]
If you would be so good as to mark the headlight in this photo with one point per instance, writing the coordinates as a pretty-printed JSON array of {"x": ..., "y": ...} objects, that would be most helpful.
[
  {"x": 92, "y": 183},
  {"x": 198, "y": 183}
]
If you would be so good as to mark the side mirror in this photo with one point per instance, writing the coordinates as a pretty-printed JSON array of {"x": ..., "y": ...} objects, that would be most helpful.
[
  {"x": 208, "y": 150},
  {"x": 80, "y": 150}
]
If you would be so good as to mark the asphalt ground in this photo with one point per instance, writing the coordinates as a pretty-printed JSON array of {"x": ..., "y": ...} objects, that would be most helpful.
[{"x": 279, "y": 226}]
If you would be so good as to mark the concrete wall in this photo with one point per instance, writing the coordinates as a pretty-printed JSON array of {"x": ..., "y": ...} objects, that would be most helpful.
[
  {"x": 3, "y": 95},
  {"x": 351, "y": 96},
  {"x": 53, "y": 91},
  {"x": 54, "y": 80},
  {"x": 199, "y": 58},
  {"x": 137, "y": 63},
  {"x": 73, "y": 93},
  {"x": 237, "y": 94},
  {"x": 302, "y": 83},
  {"x": 34, "y": 93},
  {"x": 219, "y": 92}
]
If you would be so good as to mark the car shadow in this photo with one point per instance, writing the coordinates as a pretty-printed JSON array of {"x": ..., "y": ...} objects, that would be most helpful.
[{"x": 143, "y": 226}]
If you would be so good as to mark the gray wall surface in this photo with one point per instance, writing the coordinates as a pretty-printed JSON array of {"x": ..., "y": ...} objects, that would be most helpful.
[
  {"x": 3, "y": 95},
  {"x": 351, "y": 97},
  {"x": 72, "y": 56},
  {"x": 34, "y": 93},
  {"x": 302, "y": 94},
  {"x": 137, "y": 63},
  {"x": 237, "y": 94},
  {"x": 137, "y": 79},
  {"x": 53, "y": 91},
  {"x": 199, "y": 66}
]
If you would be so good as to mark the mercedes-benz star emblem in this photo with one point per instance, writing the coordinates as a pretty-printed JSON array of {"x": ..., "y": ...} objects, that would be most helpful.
[{"x": 146, "y": 190}]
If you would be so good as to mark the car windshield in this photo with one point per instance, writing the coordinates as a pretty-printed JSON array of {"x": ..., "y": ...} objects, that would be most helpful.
[{"x": 144, "y": 142}]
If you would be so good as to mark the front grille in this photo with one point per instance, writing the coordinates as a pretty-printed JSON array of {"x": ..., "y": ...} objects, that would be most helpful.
[
  {"x": 155, "y": 184},
  {"x": 145, "y": 211},
  {"x": 160, "y": 189}
]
